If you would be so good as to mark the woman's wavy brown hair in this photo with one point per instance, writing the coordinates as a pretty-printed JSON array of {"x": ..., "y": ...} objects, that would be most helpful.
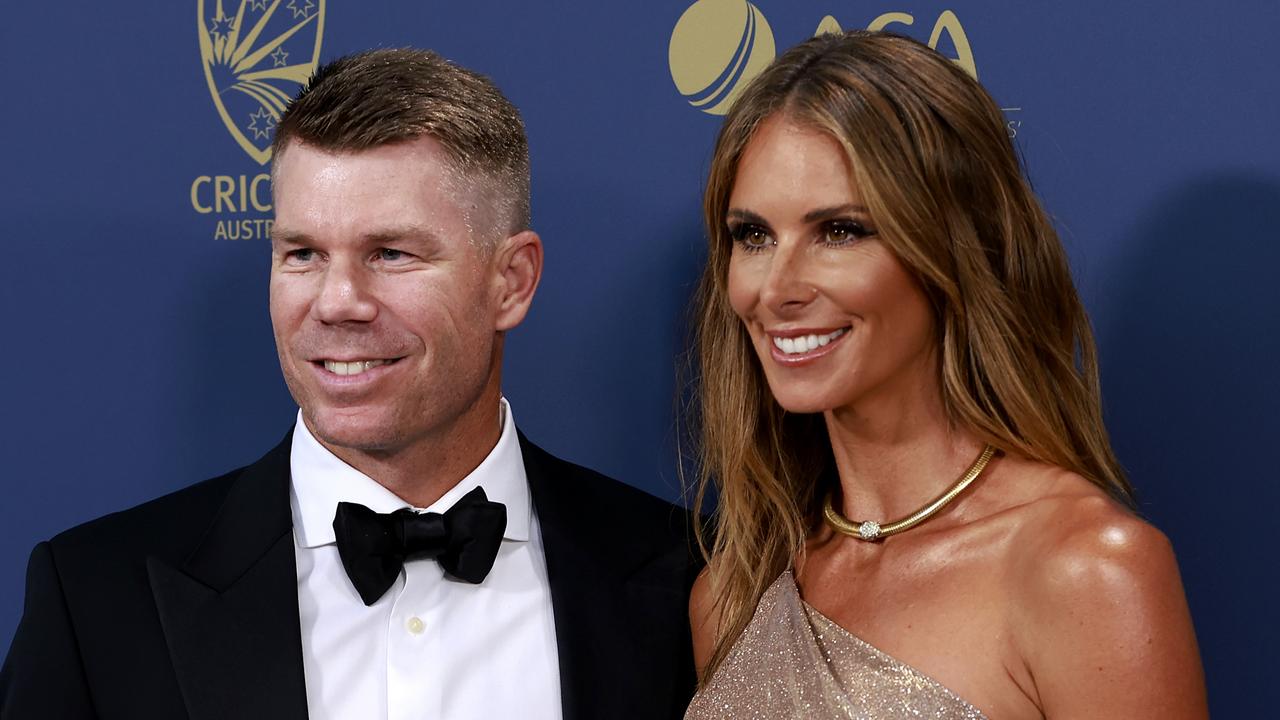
[{"x": 930, "y": 152}]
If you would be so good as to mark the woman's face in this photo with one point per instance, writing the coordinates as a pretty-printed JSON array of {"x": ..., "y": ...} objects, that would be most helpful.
[{"x": 835, "y": 318}]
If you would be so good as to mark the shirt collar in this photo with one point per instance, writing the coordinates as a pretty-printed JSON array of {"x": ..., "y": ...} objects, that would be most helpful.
[{"x": 320, "y": 480}]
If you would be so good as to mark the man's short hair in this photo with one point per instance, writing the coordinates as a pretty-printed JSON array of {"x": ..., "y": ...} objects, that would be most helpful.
[{"x": 381, "y": 97}]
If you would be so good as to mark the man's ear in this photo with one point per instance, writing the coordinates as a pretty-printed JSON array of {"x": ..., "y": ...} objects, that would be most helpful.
[{"x": 518, "y": 267}]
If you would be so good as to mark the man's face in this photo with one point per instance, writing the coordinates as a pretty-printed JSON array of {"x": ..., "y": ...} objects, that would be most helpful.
[{"x": 383, "y": 301}]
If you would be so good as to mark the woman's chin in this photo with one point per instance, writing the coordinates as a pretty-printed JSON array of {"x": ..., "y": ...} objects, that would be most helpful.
[{"x": 801, "y": 404}]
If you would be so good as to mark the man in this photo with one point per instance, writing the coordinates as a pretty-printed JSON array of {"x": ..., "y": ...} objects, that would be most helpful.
[{"x": 302, "y": 585}]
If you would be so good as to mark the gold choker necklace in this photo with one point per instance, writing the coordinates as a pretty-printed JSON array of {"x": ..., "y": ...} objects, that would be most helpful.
[{"x": 870, "y": 530}]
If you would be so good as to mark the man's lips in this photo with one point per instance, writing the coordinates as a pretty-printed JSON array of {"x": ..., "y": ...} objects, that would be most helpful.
[{"x": 347, "y": 368}]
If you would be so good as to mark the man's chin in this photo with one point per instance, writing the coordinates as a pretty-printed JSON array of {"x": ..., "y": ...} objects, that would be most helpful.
[{"x": 361, "y": 432}]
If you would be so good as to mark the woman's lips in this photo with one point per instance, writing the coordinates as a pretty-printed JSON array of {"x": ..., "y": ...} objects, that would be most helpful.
[{"x": 796, "y": 347}]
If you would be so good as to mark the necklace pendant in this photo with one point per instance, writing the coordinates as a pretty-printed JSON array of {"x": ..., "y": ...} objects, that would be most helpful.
[{"x": 870, "y": 530}]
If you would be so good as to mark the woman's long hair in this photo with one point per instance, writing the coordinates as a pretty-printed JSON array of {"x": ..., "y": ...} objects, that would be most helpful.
[{"x": 929, "y": 151}]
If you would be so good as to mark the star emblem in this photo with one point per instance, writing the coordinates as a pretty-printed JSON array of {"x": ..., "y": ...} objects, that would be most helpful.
[
  {"x": 221, "y": 26},
  {"x": 258, "y": 4},
  {"x": 280, "y": 57},
  {"x": 300, "y": 10},
  {"x": 261, "y": 123}
]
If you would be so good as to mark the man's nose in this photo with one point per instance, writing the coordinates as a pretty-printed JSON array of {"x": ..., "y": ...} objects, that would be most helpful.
[
  {"x": 787, "y": 284},
  {"x": 345, "y": 295}
]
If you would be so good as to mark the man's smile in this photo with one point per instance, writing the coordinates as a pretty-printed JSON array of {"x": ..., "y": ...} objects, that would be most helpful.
[{"x": 353, "y": 367}]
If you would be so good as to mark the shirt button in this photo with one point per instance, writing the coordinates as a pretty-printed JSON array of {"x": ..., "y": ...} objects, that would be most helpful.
[{"x": 415, "y": 625}]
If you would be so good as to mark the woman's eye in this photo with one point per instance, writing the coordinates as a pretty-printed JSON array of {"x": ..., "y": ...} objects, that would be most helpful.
[
  {"x": 752, "y": 238},
  {"x": 845, "y": 232}
]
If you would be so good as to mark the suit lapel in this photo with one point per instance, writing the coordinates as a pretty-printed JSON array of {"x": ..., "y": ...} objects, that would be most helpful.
[
  {"x": 230, "y": 612},
  {"x": 579, "y": 605},
  {"x": 614, "y": 648}
]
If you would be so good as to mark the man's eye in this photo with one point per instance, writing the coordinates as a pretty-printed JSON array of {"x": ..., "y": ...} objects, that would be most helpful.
[
  {"x": 752, "y": 238},
  {"x": 301, "y": 255},
  {"x": 390, "y": 255}
]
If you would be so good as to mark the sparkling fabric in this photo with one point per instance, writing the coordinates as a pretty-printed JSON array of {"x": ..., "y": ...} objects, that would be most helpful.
[{"x": 793, "y": 662}]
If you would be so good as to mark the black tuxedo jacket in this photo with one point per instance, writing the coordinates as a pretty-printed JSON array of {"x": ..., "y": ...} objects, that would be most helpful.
[{"x": 187, "y": 606}]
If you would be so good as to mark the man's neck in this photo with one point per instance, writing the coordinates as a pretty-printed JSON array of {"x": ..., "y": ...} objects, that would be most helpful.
[{"x": 422, "y": 471}]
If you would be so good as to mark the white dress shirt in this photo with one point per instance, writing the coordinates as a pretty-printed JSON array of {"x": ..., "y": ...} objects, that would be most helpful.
[{"x": 432, "y": 646}]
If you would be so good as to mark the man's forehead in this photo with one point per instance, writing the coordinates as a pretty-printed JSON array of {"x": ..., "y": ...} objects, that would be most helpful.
[
  {"x": 420, "y": 166},
  {"x": 425, "y": 155},
  {"x": 410, "y": 183}
]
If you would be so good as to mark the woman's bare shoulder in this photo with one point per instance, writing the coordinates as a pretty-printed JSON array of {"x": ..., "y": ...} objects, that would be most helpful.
[
  {"x": 1097, "y": 601},
  {"x": 1068, "y": 528}
]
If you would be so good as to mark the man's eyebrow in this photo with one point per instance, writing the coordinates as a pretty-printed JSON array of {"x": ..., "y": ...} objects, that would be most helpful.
[
  {"x": 288, "y": 237},
  {"x": 833, "y": 212},
  {"x": 411, "y": 233},
  {"x": 382, "y": 235}
]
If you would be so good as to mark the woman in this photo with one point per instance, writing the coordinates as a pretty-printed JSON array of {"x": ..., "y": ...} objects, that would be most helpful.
[{"x": 919, "y": 513}]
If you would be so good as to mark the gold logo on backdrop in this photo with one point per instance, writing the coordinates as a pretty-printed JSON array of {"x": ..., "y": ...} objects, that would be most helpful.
[
  {"x": 947, "y": 23},
  {"x": 718, "y": 46},
  {"x": 255, "y": 55}
]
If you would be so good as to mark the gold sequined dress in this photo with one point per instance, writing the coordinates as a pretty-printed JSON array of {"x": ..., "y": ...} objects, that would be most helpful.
[{"x": 794, "y": 662}]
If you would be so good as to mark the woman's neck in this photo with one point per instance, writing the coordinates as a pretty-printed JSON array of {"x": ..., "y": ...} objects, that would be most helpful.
[{"x": 896, "y": 452}]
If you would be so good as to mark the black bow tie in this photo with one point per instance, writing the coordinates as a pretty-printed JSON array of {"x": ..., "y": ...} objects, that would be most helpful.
[{"x": 373, "y": 546}]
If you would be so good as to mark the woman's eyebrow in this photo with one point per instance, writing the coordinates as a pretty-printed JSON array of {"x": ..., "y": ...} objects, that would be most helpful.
[
  {"x": 745, "y": 216},
  {"x": 832, "y": 212}
]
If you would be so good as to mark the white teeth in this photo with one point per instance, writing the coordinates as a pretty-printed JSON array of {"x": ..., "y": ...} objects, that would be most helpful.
[
  {"x": 352, "y": 368},
  {"x": 805, "y": 343}
]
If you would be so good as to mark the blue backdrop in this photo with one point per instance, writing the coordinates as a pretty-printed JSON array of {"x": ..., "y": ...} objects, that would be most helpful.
[{"x": 141, "y": 351}]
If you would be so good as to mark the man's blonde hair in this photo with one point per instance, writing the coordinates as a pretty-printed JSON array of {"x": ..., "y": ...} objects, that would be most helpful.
[{"x": 383, "y": 97}]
